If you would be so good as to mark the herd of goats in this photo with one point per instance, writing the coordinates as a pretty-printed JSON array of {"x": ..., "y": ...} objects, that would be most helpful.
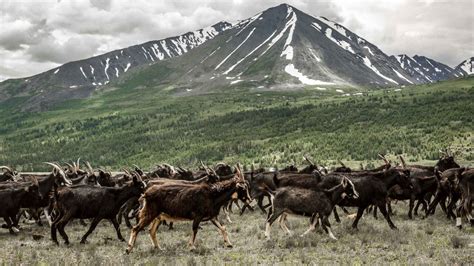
[{"x": 168, "y": 194}]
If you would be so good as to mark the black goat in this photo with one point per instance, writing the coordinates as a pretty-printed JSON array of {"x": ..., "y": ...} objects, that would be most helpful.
[
  {"x": 15, "y": 197},
  {"x": 466, "y": 185},
  {"x": 91, "y": 202},
  {"x": 372, "y": 189},
  {"x": 315, "y": 203}
]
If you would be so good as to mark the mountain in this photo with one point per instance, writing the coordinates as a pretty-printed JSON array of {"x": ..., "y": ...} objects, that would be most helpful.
[
  {"x": 279, "y": 48},
  {"x": 466, "y": 66},
  {"x": 79, "y": 79},
  {"x": 283, "y": 47},
  {"x": 426, "y": 70}
]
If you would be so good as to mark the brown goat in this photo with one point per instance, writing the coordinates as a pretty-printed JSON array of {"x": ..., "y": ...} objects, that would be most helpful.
[{"x": 180, "y": 202}]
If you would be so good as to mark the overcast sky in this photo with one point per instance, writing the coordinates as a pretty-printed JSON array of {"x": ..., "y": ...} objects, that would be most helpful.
[{"x": 38, "y": 35}]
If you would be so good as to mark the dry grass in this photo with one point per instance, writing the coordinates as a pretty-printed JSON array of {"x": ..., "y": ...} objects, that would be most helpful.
[{"x": 419, "y": 241}]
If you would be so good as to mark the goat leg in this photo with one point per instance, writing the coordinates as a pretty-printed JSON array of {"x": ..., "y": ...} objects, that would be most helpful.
[
  {"x": 54, "y": 229},
  {"x": 360, "y": 211},
  {"x": 283, "y": 225},
  {"x": 61, "y": 225},
  {"x": 410, "y": 207},
  {"x": 272, "y": 216},
  {"x": 327, "y": 227},
  {"x": 142, "y": 223},
  {"x": 223, "y": 231},
  {"x": 196, "y": 222},
  {"x": 260, "y": 204},
  {"x": 420, "y": 202},
  {"x": 336, "y": 216},
  {"x": 383, "y": 210},
  {"x": 10, "y": 226},
  {"x": 153, "y": 229},
  {"x": 117, "y": 228},
  {"x": 314, "y": 222},
  {"x": 94, "y": 223}
]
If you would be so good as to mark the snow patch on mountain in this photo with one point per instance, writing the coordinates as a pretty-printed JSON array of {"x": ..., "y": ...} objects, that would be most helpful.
[
  {"x": 225, "y": 59},
  {"x": 288, "y": 49},
  {"x": 343, "y": 44},
  {"x": 290, "y": 69},
  {"x": 107, "y": 67},
  {"x": 316, "y": 26},
  {"x": 249, "y": 54},
  {"x": 288, "y": 24},
  {"x": 248, "y": 22},
  {"x": 373, "y": 68},
  {"x": 127, "y": 67},
  {"x": 84, "y": 74},
  {"x": 467, "y": 66},
  {"x": 401, "y": 76},
  {"x": 334, "y": 26}
]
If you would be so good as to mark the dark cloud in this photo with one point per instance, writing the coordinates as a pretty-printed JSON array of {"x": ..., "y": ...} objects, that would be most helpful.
[{"x": 42, "y": 34}]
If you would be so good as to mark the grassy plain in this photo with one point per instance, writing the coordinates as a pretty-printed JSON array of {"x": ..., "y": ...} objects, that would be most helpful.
[{"x": 433, "y": 240}]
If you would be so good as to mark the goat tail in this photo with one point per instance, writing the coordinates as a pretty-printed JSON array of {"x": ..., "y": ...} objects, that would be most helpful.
[
  {"x": 142, "y": 207},
  {"x": 276, "y": 181}
]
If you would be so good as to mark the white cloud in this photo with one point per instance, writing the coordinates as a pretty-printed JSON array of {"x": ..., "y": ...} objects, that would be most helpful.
[{"x": 38, "y": 35}]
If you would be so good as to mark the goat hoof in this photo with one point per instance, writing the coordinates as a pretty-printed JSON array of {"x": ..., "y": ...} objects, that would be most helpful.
[{"x": 229, "y": 246}]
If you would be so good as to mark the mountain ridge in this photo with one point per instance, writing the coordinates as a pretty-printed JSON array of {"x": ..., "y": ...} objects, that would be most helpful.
[{"x": 278, "y": 47}]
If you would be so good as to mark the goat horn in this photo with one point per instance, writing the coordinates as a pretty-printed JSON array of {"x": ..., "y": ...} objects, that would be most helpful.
[
  {"x": 70, "y": 167},
  {"x": 308, "y": 160},
  {"x": 384, "y": 159},
  {"x": 6, "y": 167},
  {"x": 205, "y": 168},
  {"x": 213, "y": 171},
  {"x": 239, "y": 173},
  {"x": 343, "y": 165},
  {"x": 61, "y": 172},
  {"x": 78, "y": 164},
  {"x": 403, "y": 162},
  {"x": 90, "y": 168},
  {"x": 74, "y": 169}
]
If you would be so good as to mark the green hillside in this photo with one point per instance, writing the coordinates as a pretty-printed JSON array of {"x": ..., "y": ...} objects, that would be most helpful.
[{"x": 127, "y": 123}]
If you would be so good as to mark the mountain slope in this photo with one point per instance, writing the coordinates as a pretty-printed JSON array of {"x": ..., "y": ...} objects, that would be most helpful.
[
  {"x": 79, "y": 79},
  {"x": 426, "y": 70},
  {"x": 466, "y": 66},
  {"x": 146, "y": 126}
]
